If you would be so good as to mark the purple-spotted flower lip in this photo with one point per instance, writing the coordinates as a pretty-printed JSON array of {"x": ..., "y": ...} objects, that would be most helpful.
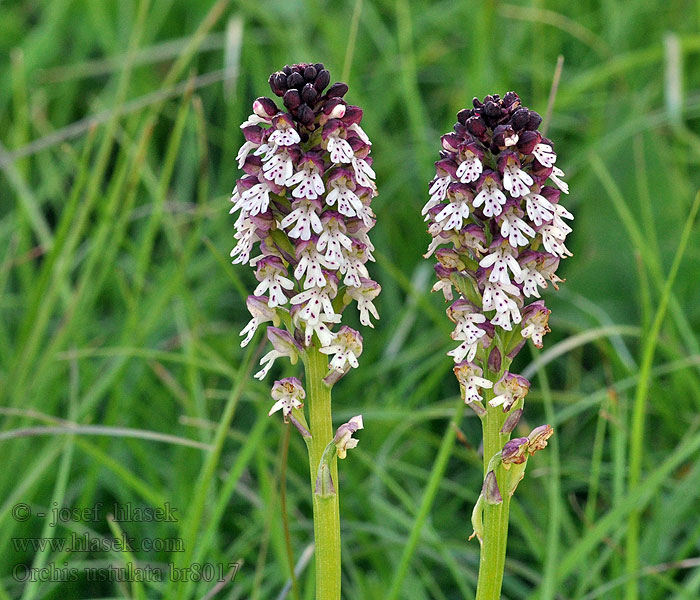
[
  {"x": 471, "y": 381},
  {"x": 288, "y": 394},
  {"x": 346, "y": 348}
]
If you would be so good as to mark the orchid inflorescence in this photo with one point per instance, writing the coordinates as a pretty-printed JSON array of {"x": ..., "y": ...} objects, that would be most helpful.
[
  {"x": 498, "y": 234},
  {"x": 305, "y": 203}
]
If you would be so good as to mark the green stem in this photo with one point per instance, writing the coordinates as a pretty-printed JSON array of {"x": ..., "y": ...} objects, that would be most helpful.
[
  {"x": 493, "y": 548},
  {"x": 326, "y": 510}
]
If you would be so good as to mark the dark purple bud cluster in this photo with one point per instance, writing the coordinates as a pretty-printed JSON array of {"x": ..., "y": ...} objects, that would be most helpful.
[
  {"x": 301, "y": 88},
  {"x": 494, "y": 120}
]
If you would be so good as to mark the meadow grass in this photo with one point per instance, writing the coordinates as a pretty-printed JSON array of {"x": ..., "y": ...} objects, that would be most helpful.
[{"x": 120, "y": 310}]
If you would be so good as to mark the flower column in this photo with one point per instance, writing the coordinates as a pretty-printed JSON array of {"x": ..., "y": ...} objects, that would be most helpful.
[
  {"x": 498, "y": 236},
  {"x": 304, "y": 203}
]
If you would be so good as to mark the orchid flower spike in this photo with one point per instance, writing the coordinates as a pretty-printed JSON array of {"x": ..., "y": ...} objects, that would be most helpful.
[
  {"x": 497, "y": 225},
  {"x": 303, "y": 209}
]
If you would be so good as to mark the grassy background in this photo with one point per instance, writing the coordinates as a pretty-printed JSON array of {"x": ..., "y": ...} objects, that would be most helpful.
[{"x": 120, "y": 311}]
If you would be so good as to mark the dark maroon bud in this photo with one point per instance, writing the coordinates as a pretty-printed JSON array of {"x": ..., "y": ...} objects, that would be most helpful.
[
  {"x": 476, "y": 102},
  {"x": 309, "y": 94},
  {"x": 331, "y": 126},
  {"x": 330, "y": 104},
  {"x": 310, "y": 74},
  {"x": 511, "y": 99},
  {"x": 305, "y": 115},
  {"x": 356, "y": 144},
  {"x": 292, "y": 99},
  {"x": 460, "y": 130},
  {"x": 528, "y": 140},
  {"x": 551, "y": 193},
  {"x": 295, "y": 80},
  {"x": 499, "y": 136},
  {"x": 491, "y": 109},
  {"x": 463, "y": 115},
  {"x": 278, "y": 83},
  {"x": 520, "y": 119},
  {"x": 322, "y": 80},
  {"x": 319, "y": 66},
  {"x": 252, "y": 164},
  {"x": 476, "y": 126},
  {"x": 540, "y": 173},
  {"x": 353, "y": 114},
  {"x": 534, "y": 121},
  {"x": 451, "y": 142},
  {"x": 265, "y": 106},
  {"x": 287, "y": 70},
  {"x": 253, "y": 134},
  {"x": 299, "y": 68},
  {"x": 337, "y": 90}
]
